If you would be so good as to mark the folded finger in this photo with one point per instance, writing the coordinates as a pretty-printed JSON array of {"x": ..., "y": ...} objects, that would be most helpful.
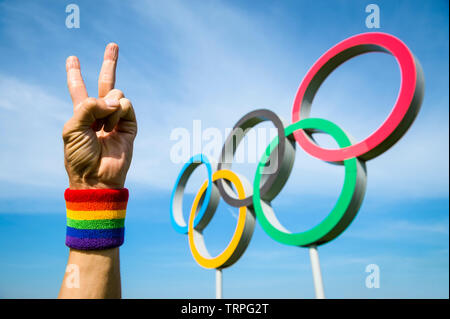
[
  {"x": 126, "y": 114},
  {"x": 127, "y": 111},
  {"x": 127, "y": 123}
]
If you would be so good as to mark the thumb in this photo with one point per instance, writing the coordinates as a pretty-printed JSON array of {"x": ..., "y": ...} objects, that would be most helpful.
[{"x": 92, "y": 109}]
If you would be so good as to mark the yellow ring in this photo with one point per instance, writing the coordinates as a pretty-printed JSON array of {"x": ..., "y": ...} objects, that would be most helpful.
[{"x": 222, "y": 258}]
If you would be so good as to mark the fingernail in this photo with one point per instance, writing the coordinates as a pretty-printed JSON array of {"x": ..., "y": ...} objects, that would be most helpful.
[
  {"x": 112, "y": 51},
  {"x": 72, "y": 63},
  {"x": 112, "y": 102}
]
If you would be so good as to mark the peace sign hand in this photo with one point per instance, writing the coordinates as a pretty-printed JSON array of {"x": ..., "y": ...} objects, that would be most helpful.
[{"x": 98, "y": 139}]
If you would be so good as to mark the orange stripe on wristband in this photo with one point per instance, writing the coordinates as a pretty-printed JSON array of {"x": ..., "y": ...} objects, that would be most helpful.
[{"x": 86, "y": 206}]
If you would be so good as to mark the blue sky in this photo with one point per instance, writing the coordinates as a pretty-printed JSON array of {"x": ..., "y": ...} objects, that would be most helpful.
[{"x": 214, "y": 61}]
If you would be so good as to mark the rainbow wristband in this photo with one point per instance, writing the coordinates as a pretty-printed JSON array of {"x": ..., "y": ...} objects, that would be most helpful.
[{"x": 95, "y": 218}]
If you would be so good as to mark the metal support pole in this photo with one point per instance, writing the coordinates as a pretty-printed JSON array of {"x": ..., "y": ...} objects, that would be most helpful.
[
  {"x": 317, "y": 275},
  {"x": 218, "y": 283}
]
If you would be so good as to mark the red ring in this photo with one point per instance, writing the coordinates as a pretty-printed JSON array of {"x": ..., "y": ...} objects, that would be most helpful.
[{"x": 404, "y": 111}]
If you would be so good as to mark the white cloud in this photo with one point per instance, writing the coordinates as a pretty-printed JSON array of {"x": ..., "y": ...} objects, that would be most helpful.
[
  {"x": 215, "y": 79},
  {"x": 31, "y": 123},
  {"x": 402, "y": 229}
]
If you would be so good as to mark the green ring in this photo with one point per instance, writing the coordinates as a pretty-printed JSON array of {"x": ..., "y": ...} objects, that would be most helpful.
[{"x": 343, "y": 212}]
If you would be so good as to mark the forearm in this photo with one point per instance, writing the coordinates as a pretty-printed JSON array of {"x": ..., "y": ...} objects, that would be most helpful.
[{"x": 92, "y": 274}]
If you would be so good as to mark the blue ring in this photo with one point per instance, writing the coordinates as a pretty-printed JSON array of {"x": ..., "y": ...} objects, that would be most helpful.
[{"x": 178, "y": 190}]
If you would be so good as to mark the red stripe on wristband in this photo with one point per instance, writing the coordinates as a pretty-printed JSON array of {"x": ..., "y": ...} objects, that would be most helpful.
[{"x": 96, "y": 195}]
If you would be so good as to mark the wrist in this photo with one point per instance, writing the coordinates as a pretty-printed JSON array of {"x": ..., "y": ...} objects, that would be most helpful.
[{"x": 94, "y": 185}]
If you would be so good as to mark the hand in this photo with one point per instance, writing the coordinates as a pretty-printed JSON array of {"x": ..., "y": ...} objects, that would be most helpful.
[{"x": 98, "y": 139}]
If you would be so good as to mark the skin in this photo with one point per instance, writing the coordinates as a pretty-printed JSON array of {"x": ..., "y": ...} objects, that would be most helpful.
[{"x": 98, "y": 147}]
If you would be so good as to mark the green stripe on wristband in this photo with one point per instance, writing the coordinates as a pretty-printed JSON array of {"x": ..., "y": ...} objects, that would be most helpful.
[{"x": 96, "y": 223}]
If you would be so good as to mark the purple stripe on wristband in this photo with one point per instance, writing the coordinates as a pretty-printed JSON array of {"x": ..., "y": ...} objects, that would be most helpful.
[{"x": 93, "y": 243}]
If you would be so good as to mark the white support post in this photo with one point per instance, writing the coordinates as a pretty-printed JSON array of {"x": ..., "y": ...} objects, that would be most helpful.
[
  {"x": 317, "y": 275},
  {"x": 218, "y": 283}
]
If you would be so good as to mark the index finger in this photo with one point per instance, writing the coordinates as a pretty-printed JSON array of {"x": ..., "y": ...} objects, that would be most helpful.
[
  {"x": 75, "y": 81},
  {"x": 107, "y": 76}
]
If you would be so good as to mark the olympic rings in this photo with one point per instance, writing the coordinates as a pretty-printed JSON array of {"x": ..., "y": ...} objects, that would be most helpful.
[
  {"x": 399, "y": 120},
  {"x": 242, "y": 234},
  {"x": 281, "y": 150},
  {"x": 343, "y": 212}
]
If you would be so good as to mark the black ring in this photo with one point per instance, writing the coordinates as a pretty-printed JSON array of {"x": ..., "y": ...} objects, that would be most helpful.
[{"x": 285, "y": 149}]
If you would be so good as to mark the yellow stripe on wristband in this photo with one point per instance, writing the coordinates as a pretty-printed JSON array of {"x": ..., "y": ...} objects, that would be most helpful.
[{"x": 96, "y": 214}]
